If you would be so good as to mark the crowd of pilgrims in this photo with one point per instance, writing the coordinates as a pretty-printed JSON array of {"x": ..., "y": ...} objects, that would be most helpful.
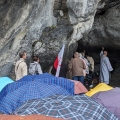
[{"x": 80, "y": 68}]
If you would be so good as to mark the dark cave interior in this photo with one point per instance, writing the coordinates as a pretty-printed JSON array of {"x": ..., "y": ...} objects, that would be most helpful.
[{"x": 113, "y": 54}]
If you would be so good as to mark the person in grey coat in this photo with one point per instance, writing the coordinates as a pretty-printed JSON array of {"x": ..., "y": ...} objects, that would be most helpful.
[
  {"x": 105, "y": 68},
  {"x": 35, "y": 67}
]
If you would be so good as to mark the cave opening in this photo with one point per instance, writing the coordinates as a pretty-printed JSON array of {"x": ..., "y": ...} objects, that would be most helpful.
[
  {"x": 102, "y": 12},
  {"x": 113, "y": 55}
]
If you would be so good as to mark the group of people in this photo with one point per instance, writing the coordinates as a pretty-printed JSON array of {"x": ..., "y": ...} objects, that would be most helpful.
[
  {"x": 82, "y": 65},
  {"x": 79, "y": 67},
  {"x": 21, "y": 68}
]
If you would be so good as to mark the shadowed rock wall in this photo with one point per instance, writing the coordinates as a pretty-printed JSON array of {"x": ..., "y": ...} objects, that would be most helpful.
[{"x": 105, "y": 32}]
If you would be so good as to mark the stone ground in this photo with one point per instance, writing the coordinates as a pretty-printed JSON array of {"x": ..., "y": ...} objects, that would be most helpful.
[{"x": 115, "y": 83}]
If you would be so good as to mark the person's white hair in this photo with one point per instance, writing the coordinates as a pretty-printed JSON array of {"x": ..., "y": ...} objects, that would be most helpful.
[{"x": 80, "y": 55}]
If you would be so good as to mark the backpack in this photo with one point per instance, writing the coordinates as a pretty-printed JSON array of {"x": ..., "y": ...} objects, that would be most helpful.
[{"x": 33, "y": 70}]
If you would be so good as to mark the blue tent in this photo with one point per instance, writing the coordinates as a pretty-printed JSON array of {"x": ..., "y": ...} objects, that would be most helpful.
[{"x": 4, "y": 81}]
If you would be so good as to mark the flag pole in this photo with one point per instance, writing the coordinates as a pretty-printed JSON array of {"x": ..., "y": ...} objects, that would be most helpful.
[{"x": 60, "y": 59}]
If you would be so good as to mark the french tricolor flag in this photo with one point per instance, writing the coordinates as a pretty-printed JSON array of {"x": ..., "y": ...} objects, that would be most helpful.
[{"x": 58, "y": 61}]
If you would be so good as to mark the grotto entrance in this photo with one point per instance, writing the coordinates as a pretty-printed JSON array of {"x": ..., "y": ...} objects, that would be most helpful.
[{"x": 113, "y": 54}]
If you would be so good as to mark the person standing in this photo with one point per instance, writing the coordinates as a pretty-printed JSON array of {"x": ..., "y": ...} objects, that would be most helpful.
[
  {"x": 105, "y": 68},
  {"x": 101, "y": 53},
  {"x": 83, "y": 53},
  {"x": 91, "y": 70},
  {"x": 91, "y": 61},
  {"x": 77, "y": 67},
  {"x": 86, "y": 62},
  {"x": 21, "y": 66},
  {"x": 35, "y": 67},
  {"x": 84, "y": 70}
]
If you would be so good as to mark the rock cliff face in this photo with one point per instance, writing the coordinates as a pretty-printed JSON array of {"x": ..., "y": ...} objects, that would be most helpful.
[
  {"x": 42, "y": 26},
  {"x": 106, "y": 27}
]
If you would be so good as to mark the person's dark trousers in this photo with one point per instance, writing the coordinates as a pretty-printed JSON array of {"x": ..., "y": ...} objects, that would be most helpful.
[
  {"x": 90, "y": 77},
  {"x": 90, "y": 72},
  {"x": 79, "y": 78}
]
